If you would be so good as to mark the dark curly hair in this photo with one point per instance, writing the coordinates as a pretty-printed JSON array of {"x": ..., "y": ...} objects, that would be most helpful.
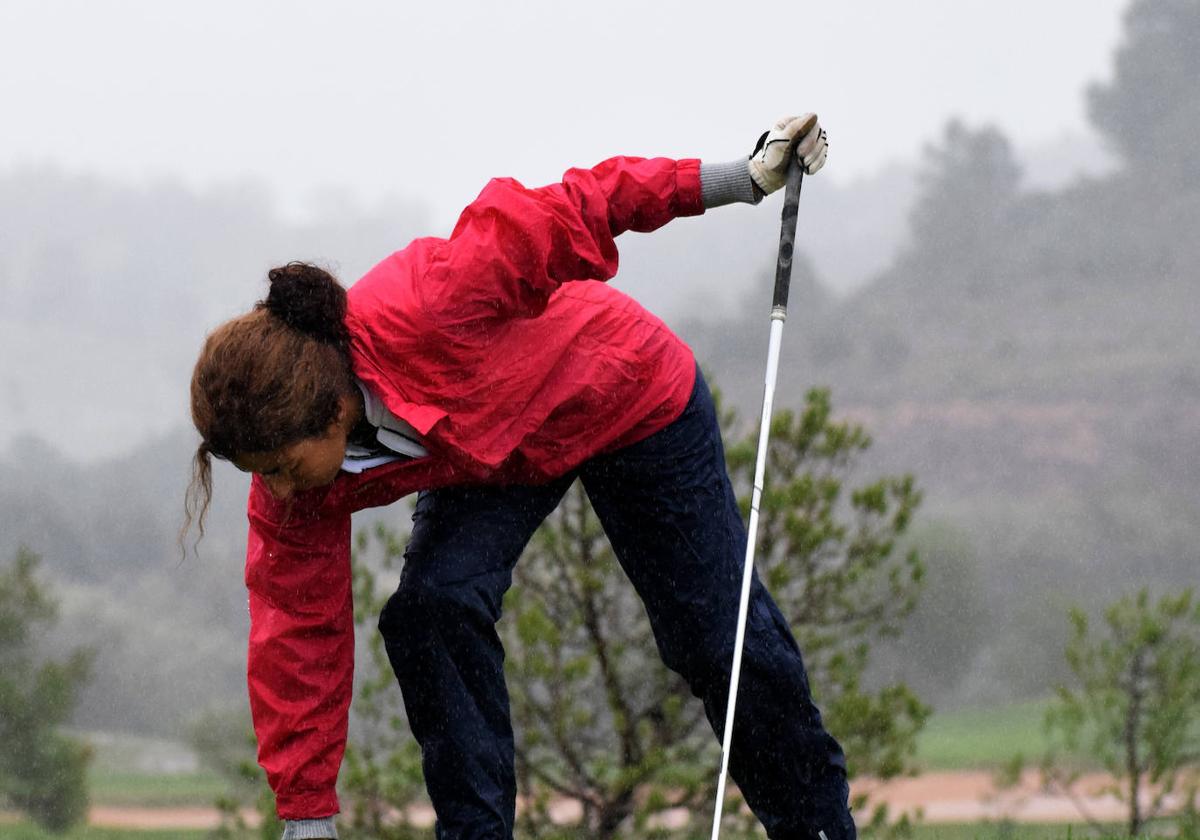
[{"x": 269, "y": 378}]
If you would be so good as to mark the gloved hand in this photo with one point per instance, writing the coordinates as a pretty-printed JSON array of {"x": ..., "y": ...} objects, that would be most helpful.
[{"x": 769, "y": 162}]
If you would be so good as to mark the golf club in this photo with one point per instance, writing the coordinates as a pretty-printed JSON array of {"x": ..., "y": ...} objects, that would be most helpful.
[{"x": 783, "y": 279}]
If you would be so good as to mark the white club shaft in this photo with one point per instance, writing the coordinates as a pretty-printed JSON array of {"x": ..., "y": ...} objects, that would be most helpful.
[{"x": 760, "y": 468}]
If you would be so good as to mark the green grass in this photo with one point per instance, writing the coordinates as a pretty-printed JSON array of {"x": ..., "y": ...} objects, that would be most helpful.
[
  {"x": 154, "y": 791},
  {"x": 987, "y": 739},
  {"x": 982, "y": 738},
  {"x": 25, "y": 831},
  {"x": 119, "y": 773}
]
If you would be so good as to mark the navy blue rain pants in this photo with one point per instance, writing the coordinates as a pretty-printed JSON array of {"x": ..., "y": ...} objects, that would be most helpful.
[{"x": 669, "y": 511}]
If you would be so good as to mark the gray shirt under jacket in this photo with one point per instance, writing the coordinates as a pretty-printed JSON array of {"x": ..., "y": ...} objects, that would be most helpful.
[
  {"x": 309, "y": 829},
  {"x": 727, "y": 183}
]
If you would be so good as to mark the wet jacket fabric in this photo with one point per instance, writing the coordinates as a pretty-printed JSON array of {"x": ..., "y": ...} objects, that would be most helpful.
[{"x": 511, "y": 374}]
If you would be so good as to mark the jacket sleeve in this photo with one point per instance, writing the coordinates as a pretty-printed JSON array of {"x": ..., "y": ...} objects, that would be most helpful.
[
  {"x": 513, "y": 246},
  {"x": 301, "y": 653}
]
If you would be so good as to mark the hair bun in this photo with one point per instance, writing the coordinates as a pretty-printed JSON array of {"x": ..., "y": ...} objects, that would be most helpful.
[{"x": 308, "y": 299}]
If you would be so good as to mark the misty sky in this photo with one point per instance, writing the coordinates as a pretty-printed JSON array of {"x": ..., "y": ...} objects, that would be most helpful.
[{"x": 427, "y": 101}]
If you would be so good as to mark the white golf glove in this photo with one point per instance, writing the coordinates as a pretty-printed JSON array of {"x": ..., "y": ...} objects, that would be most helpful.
[{"x": 769, "y": 163}]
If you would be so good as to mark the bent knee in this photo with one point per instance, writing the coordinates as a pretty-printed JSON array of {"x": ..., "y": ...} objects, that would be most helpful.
[{"x": 418, "y": 605}]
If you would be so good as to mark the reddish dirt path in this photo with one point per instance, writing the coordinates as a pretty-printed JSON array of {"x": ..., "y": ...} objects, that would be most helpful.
[
  {"x": 120, "y": 816},
  {"x": 942, "y": 798},
  {"x": 973, "y": 796}
]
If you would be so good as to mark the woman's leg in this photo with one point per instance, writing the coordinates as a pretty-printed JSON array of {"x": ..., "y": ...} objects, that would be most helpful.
[
  {"x": 670, "y": 513},
  {"x": 439, "y": 631}
]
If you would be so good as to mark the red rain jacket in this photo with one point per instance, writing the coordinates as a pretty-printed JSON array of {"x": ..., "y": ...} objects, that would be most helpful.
[{"x": 509, "y": 375}]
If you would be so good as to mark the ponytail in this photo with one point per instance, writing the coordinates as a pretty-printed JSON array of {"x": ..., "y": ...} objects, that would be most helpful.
[{"x": 308, "y": 299}]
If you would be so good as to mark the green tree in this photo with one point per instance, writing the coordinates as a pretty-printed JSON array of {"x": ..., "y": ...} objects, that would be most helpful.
[
  {"x": 602, "y": 722},
  {"x": 599, "y": 721},
  {"x": 1136, "y": 703},
  {"x": 42, "y": 772},
  {"x": 829, "y": 554}
]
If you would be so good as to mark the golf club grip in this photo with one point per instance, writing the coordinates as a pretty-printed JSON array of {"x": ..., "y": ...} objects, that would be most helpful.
[{"x": 787, "y": 235}]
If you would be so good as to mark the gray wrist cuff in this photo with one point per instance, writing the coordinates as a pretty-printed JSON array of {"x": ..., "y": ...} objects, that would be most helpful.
[
  {"x": 727, "y": 183},
  {"x": 309, "y": 829}
]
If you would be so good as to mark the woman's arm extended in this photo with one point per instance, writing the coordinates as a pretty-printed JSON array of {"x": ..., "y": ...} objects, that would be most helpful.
[
  {"x": 301, "y": 655},
  {"x": 513, "y": 246}
]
